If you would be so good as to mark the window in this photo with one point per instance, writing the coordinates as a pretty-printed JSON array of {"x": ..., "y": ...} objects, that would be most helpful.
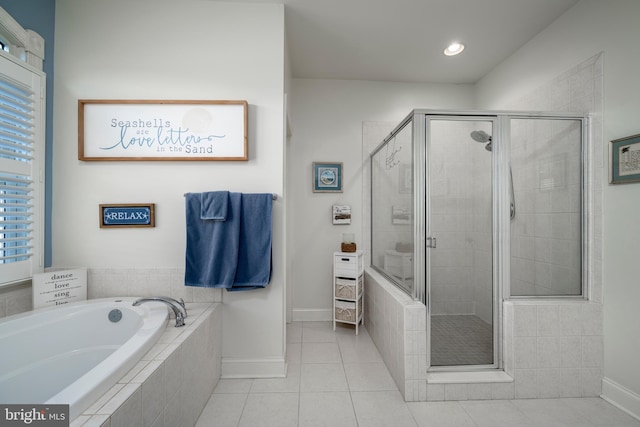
[{"x": 21, "y": 169}]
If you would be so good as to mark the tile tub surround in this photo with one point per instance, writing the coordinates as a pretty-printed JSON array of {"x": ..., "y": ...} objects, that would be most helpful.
[
  {"x": 15, "y": 299},
  {"x": 134, "y": 282},
  {"x": 117, "y": 282},
  {"x": 172, "y": 383}
]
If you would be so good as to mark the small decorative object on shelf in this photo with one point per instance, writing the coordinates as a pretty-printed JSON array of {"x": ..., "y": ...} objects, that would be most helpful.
[
  {"x": 348, "y": 288},
  {"x": 348, "y": 243}
]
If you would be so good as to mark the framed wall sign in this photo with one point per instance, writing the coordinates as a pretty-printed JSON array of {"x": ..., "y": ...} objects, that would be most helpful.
[
  {"x": 341, "y": 214},
  {"x": 327, "y": 177},
  {"x": 128, "y": 215},
  {"x": 624, "y": 160},
  {"x": 161, "y": 130}
]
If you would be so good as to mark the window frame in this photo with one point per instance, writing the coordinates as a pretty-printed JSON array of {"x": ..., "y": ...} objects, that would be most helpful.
[{"x": 26, "y": 51}]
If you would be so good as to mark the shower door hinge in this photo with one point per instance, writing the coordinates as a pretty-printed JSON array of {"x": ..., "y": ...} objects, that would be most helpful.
[{"x": 431, "y": 242}]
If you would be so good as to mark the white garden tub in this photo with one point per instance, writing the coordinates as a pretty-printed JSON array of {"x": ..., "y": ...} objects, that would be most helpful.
[{"x": 74, "y": 353}]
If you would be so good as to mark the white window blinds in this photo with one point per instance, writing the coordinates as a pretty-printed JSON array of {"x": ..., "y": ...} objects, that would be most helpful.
[{"x": 19, "y": 171}]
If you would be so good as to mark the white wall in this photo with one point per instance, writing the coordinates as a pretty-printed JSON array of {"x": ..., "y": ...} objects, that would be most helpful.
[
  {"x": 151, "y": 49},
  {"x": 327, "y": 119},
  {"x": 586, "y": 29}
]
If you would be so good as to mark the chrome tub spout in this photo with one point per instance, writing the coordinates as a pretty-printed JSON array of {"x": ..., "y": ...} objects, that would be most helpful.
[{"x": 178, "y": 307}]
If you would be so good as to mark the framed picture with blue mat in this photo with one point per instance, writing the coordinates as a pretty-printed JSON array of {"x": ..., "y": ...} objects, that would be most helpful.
[{"x": 327, "y": 177}]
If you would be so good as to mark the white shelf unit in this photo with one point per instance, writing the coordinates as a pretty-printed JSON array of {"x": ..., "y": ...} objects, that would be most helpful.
[{"x": 348, "y": 288}]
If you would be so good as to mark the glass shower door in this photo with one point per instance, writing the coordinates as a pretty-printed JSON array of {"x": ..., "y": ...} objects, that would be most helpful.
[{"x": 459, "y": 259}]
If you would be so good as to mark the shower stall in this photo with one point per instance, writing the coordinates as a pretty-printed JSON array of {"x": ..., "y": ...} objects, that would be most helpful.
[{"x": 471, "y": 208}]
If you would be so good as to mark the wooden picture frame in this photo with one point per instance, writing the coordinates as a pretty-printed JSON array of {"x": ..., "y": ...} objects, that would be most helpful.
[
  {"x": 132, "y": 215},
  {"x": 160, "y": 130}
]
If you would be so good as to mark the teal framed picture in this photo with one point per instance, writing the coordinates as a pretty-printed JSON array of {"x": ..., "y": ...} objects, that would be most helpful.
[
  {"x": 624, "y": 160},
  {"x": 327, "y": 177}
]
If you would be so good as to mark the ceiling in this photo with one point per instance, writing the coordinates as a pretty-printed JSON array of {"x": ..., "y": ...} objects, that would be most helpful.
[{"x": 403, "y": 40}]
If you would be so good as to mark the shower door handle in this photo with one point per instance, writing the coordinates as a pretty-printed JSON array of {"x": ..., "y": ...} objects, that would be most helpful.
[{"x": 431, "y": 242}]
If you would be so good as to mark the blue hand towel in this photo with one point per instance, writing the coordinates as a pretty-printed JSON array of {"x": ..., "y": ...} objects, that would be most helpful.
[
  {"x": 214, "y": 205},
  {"x": 254, "y": 251},
  {"x": 212, "y": 246}
]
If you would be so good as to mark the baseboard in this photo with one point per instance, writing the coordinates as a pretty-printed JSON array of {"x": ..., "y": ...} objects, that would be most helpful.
[
  {"x": 621, "y": 397},
  {"x": 253, "y": 368},
  {"x": 312, "y": 315}
]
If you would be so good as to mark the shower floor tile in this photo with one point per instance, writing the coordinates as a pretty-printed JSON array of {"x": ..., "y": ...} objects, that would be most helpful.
[{"x": 460, "y": 340}]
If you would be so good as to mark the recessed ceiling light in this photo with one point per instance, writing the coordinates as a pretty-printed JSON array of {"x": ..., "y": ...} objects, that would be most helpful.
[{"x": 454, "y": 49}]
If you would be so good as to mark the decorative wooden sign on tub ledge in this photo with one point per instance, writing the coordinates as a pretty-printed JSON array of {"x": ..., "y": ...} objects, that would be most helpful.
[
  {"x": 161, "y": 130},
  {"x": 129, "y": 215}
]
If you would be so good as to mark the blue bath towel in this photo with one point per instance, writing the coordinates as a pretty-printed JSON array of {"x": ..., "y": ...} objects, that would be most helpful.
[
  {"x": 214, "y": 205},
  {"x": 234, "y": 254},
  {"x": 212, "y": 246},
  {"x": 254, "y": 252}
]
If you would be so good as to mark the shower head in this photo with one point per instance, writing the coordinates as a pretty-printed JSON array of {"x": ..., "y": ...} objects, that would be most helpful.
[
  {"x": 480, "y": 136},
  {"x": 488, "y": 146}
]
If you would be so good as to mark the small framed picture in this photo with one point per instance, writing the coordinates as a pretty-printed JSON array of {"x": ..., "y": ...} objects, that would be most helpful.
[
  {"x": 624, "y": 160},
  {"x": 327, "y": 177},
  {"x": 341, "y": 214},
  {"x": 127, "y": 215}
]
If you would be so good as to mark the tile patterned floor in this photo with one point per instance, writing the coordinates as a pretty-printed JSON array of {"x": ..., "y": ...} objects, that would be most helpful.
[
  {"x": 338, "y": 379},
  {"x": 460, "y": 340}
]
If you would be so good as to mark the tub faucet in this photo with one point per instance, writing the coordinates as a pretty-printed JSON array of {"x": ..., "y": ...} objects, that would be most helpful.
[{"x": 178, "y": 307}]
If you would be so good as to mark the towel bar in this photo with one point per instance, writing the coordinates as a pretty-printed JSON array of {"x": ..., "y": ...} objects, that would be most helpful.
[{"x": 274, "y": 196}]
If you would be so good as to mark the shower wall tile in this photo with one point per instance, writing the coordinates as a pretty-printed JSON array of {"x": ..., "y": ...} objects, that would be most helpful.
[
  {"x": 415, "y": 391},
  {"x": 525, "y": 352},
  {"x": 549, "y": 383},
  {"x": 397, "y": 326},
  {"x": 592, "y": 320},
  {"x": 455, "y": 392},
  {"x": 503, "y": 391},
  {"x": 571, "y": 383},
  {"x": 526, "y": 383},
  {"x": 591, "y": 380},
  {"x": 559, "y": 361},
  {"x": 549, "y": 354},
  {"x": 548, "y": 319},
  {"x": 592, "y": 352},
  {"x": 482, "y": 391},
  {"x": 525, "y": 320},
  {"x": 435, "y": 392},
  {"x": 571, "y": 352},
  {"x": 571, "y": 319},
  {"x": 508, "y": 338}
]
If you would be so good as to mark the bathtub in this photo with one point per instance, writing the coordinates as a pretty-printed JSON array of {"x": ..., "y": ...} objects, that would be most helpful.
[{"x": 74, "y": 353}]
